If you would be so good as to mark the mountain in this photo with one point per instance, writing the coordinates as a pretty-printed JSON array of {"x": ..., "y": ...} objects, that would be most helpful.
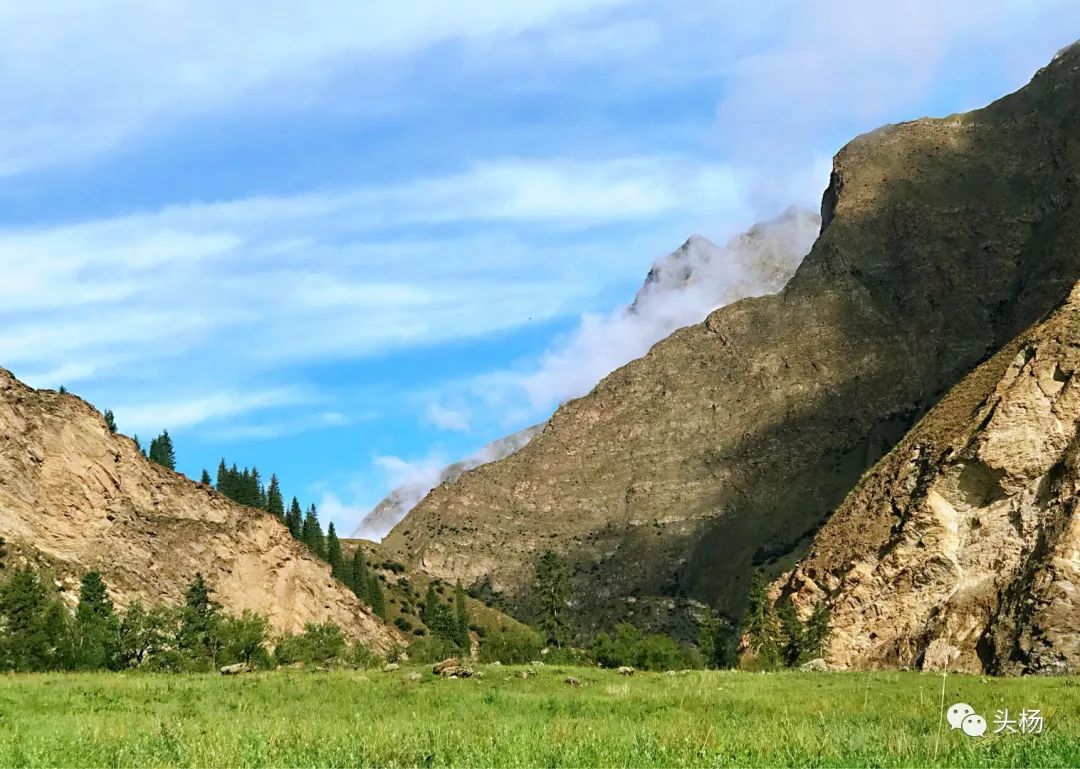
[
  {"x": 959, "y": 550},
  {"x": 730, "y": 443},
  {"x": 76, "y": 498},
  {"x": 680, "y": 289},
  {"x": 401, "y": 500}
]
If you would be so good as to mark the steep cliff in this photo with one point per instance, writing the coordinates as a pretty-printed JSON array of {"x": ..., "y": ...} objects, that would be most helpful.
[
  {"x": 959, "y": 550},
  {"x": 729, "y": 444},
  {"x": 74, "y": 498}
]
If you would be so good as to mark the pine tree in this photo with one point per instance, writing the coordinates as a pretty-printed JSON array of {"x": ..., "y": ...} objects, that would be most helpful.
[
  {"x": 358, "y": 575},
  {"x": 275, "y": 503},
  {"x": 760, "y": 625},
  {"x": 161, "y": 451},
  {"x": 792, "y": 633},
  {"x": 552, "y": 592},
  {"x": 95, "y": 624},
  {"x": 62, "y": 390},
  {"x": 333, "y": 553},
  {"x": 312, "y": 534},
  {"x": 438, "y": 617},
  {"x": 205, "y": 479},
  {"x": 294, "y": 519},
  {"x": 375, "y": 596},
  {"x": 110, "y": 421},
  {"x": 138, "y": 445},
  {"x": 198, "y": 635},
  {"x": 817, "y": 632},
  {"x": 461, "y": 618},
  {"x": 36, "y": 627},
  {"x": 222, "y": 477}
]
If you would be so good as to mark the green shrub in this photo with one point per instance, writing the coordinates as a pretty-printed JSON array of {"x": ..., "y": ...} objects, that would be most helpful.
[
  {"x": 319, "y": 644},
  {"x": 432, "y": 649},
  {"x": 510, "y": 647},
  {"x": 629, "y": 646}
]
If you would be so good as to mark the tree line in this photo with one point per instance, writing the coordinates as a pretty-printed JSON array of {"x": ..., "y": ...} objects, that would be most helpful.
[{"x": 38, "y": 633}]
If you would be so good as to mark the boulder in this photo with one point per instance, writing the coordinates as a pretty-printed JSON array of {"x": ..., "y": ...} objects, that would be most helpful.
[
  {"x": 390, "y": 667},
  {"x": 626, "y": 671},
  {"x": 233, "y": 670},
  {"x": 571, "y": 681},
  {"x": 817, "y": 665}
]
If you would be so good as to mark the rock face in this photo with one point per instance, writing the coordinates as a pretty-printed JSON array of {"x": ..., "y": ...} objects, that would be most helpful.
[
  {"x": 959, "y": 550},
  {"x": 74, "y": 498},
  {"x": 401, "y": 500},
  {"x": 730, "y": 443},
  {"x": 680, "y": 289}
]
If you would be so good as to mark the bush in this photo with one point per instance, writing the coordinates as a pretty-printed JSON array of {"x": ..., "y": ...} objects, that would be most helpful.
[
  {"x": 510, "y": 647},
  {"x": 319, "y": 644},
  {"x": 432, "y": 649},
  {"x": 630, "y": 647},
  {"x": 362, "y": 657},
  {"x": 403, "y": 625}
]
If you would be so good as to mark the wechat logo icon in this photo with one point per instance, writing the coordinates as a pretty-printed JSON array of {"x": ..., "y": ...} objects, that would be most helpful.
[{"x": 962, "y": 716}]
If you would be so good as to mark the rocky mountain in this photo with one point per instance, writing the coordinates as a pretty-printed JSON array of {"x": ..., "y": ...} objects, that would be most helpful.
[
  {"x": 730, "y": 444},
  {"x": 959, "y": 550},
  {"x": 680, "y": 289},
  {"x": 401, "y": 500},
  {"x": 75, "y": 498}
]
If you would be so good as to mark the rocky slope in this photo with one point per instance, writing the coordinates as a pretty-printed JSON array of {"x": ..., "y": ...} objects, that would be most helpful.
[
  {"x": 401, "y": 500},
  {"x": 729, "y": 444},
  {"x": 959, "y": 550},
  {"x": 74, "y": 498},
  {"x": 680, "y": 289}
]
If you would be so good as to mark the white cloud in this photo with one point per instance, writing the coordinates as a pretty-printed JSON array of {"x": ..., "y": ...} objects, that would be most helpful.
[
  {"x": 182, "y": 412},
  {"x": 80, "y": 78},
  {"x": 446, "y": 418}
]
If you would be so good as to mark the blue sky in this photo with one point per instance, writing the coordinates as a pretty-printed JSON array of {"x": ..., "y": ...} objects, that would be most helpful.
[{"x": 342, "y": 241}]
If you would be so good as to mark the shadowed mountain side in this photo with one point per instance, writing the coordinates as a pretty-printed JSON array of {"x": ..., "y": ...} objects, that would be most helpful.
[{"x": 731, "y": 440}]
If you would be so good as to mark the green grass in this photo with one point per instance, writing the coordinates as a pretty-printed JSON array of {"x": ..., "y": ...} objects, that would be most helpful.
[{"x": 350, "y": 718}]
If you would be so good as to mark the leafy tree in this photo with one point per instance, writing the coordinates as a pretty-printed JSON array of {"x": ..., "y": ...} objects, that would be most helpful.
[
  {"x": 511, "y": 646},
  {"x": 294, "y": 519},
  {"x": 461, "y": 618},
  {"x": 142, "y": 634},
  {"x": 244, "y": 638},
  {"x": 275, "y": 503},
  {"x": 311, "y": 534},
  {"x": 760, "y": 624},
  {"x": 110, "y": 421},
  {"x": 552, "y": 596},
  {"x": 333, "y": 553},
  {"x": 95, "y": 624},
  {"x": 629, "y": 646},
  {"x": 161, "y": 451},
  {"x": 199, "y": 623},
  {"x": 36, "y": 633},
  {"x": 817, "y": 632},
  {"x": 319, "y": 644}
]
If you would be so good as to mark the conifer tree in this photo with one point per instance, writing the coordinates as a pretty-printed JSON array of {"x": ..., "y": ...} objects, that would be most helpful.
[
  {"x": 275, "y": 503},
  {"x": 161, "y": 451},
  {"x": 95, "y": 624},
  {"x": 333, "y": 553},
  {"x": 222, "y": 477},
  {"x": 817, "y": 632},
  {"x": 62, "y": 390},
  {"x": 461, "y": 618},
  {"x": 312, "y": 534},
  {"x": 760, "y": 624},
  {"x": 110, "y": 421},
  {"x": 205, "y": 479},
  {"x": 438, "y": 616},
  {"x": 294, "y": 519},
  {"x": 359, "y": 575},
  {"x": 198, "y": 635},
  {"x": 375, "y": 596},
  {"x": 552, "y": 590},
  {"x": 138, "y": 445},
  {"x": 792, "y": 633},
  {"x": 36, "y": 626}
]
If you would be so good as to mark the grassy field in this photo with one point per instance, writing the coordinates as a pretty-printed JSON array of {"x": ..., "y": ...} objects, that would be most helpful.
[{"x": 352, "y": 718}]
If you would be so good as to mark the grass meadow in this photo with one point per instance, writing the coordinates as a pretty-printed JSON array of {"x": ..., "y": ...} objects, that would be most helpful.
[{"x": 372, "y": 718}]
